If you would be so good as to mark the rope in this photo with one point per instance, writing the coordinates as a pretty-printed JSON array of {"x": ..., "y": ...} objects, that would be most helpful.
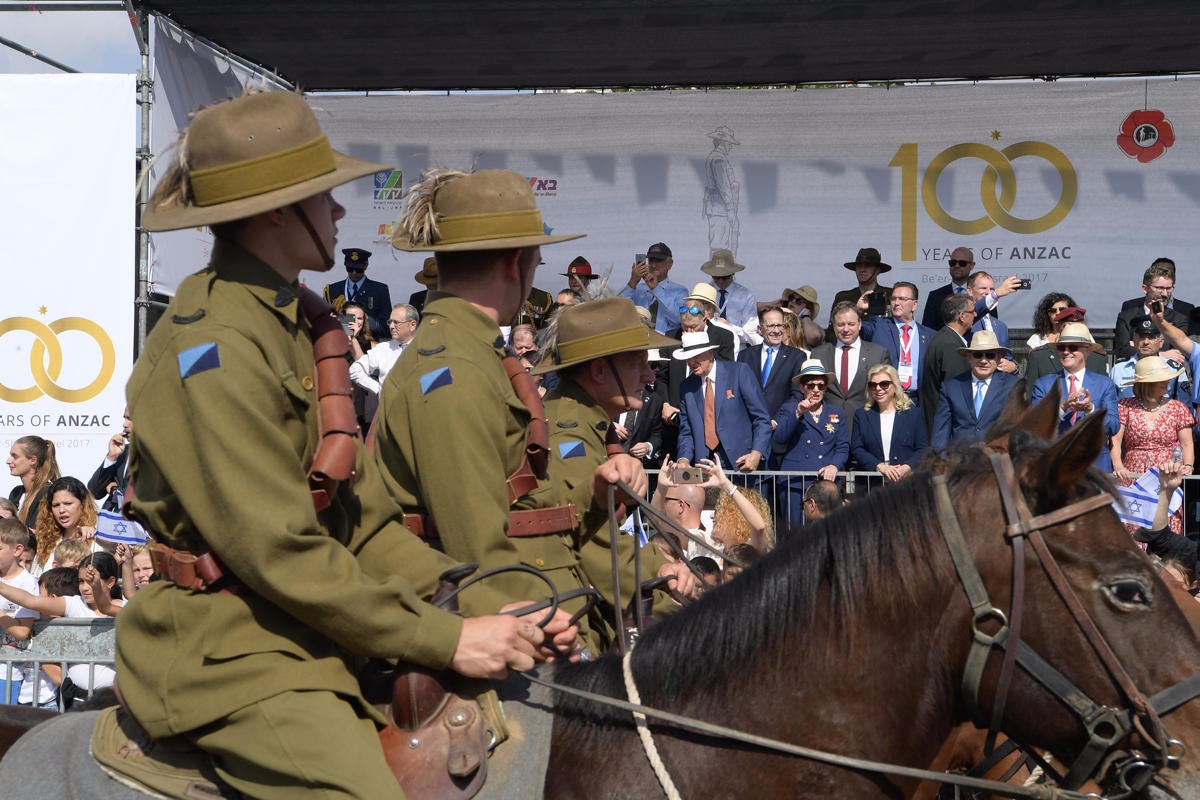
[{"x": 643, "y": 731}]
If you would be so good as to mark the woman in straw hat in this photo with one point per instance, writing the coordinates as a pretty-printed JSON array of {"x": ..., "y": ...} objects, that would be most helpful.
[
  {"x": 1155, "y": 429},
  {"x": 249, "y": 661}
]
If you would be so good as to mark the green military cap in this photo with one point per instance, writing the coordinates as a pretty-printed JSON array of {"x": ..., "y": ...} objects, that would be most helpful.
[{"x": 598, "y": 328}]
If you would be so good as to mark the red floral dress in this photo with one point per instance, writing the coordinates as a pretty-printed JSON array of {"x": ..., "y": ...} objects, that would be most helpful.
[{"x": 1150, "y": 438}]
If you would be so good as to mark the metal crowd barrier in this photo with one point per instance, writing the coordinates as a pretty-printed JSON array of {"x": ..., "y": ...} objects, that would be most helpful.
[{"x": 65, "y": 642}]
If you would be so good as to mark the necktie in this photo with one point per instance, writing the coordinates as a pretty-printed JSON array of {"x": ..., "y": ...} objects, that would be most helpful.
[
  {"x": 722, "y": 293},
  {"x": 905, "y": 354},
  {"x": 844, "y": 381},
  {"x": 710, "y": 417},
  {"x": 353, "y": 292},
  {"x": 960, "y": 290},
  {"x": 1071, "y": 390},
  {"x": 767, "y": 367},
  {"x": 653, "y": 311},
  {"x": 979, "y": 387}
]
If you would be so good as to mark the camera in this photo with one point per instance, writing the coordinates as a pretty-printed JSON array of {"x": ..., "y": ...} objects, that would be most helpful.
[
  {"x": 876, "y": 305},
  {"x": 347, "y": 321},
  {"x": 689, "y": 475},
  {"x": 1025, "y": 284}
]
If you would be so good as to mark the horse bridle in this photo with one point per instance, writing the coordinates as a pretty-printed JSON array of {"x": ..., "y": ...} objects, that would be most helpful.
[{"x": 1106, "y": 726}]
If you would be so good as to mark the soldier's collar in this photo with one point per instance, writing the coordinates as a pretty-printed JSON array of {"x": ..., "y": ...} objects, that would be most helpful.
[
  {"x": 467, "y": 318},
  {"x": 236, "y": 265}
]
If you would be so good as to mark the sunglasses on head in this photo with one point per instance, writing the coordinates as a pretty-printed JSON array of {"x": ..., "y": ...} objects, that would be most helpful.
[
  {"x": 695, "y": 311},
  {"x": 959, "y": 263},
  {"x": 879, "y": 384},
  {"x": 1069, "y": 348},
  {"x": 990, "y": 355}
]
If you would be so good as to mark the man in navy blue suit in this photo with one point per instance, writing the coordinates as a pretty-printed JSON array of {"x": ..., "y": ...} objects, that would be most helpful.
[
  {"x": 1083, "y": 392},
  {"x": 774, "y": 364},
  {"x": 971, "y": 401},
  {"x": 373, "y": 296},
  {"x": 983, "y": 290},
  {"x": 722, "y": 411},
  {"x": 905, "y": 339}
]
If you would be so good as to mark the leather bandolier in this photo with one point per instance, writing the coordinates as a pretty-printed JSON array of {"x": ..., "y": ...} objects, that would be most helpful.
[{"x": 534, "y": 464}]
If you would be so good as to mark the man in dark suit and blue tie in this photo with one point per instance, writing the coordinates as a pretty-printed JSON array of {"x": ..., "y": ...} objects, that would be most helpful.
[
  {"x": 1082, "y": 391},
  {"x": 961, "y": 261},
  {"x": 373, "y": 296},
  {"x": 905, "y": 339},
  {"x": 983, "y": 290},
  {"x": 722, "y": 411},
  {"x": 774, "y": 364},
  {"x": 971, "y": 401}
]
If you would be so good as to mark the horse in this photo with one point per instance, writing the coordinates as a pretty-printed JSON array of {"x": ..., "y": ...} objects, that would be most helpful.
[{"x": 854, "y": 636}]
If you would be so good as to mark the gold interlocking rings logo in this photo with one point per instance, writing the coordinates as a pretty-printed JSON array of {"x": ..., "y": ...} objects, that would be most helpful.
[
  {"x": 997, "y": 206},
  {"x": 46, "y": 359}
]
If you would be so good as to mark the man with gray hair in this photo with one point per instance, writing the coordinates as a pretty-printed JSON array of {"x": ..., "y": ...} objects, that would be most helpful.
[{"x": 369, "y": 371}]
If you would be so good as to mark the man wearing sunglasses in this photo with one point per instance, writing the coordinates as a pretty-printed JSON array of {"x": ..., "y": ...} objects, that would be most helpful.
[
  {"x": 696, "y": 312},
  {"x": 373, "y": 296},
  {"x": 971, "y": 401},
  {"x": 1081, "y": 390},
  {"x": 962, "y": 261}
]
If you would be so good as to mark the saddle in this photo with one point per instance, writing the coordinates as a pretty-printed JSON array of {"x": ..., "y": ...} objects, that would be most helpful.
[{"x": 438, "y": 737}]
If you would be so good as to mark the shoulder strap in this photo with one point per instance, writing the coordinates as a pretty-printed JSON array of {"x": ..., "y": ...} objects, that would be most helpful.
[
  {"x": 537, "y": 438},
  {"x": 335, "y": 456}
]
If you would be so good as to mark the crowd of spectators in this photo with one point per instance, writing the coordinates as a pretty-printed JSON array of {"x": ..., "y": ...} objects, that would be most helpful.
[{"x": 784, "y": 399}]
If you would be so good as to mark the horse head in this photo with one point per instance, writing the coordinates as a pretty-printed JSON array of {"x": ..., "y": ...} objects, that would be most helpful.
[{"x": 1100, "y": 634}]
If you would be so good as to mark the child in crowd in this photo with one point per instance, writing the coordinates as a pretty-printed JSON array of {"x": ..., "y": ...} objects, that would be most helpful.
[
  {"x": 709, "y": 569},
  {"x": 747, "y": 554},
  {"x": 69, "y": 553},
  {"x": 54, "y": 582},
  {"x": 8, "y": 509},
  {"x": 16, "y": 620},
  {"x": 136, "y": 568},
  {"x": 97, "y": 582}
]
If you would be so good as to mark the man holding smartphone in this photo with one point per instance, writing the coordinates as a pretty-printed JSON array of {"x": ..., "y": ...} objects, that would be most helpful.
[{"x": 649, "y": 286}]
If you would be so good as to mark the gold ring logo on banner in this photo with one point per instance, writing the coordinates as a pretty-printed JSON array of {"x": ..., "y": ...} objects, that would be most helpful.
[
  {"x": 1000, "y": 171},
  {"x": 46, "y": 360}
]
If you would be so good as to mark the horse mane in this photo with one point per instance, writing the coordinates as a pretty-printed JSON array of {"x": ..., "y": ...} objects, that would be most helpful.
[{"x": 874, "y": 555}]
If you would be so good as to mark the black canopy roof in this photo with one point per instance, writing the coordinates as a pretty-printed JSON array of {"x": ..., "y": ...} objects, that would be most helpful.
[{"x": 480, "y": 44}]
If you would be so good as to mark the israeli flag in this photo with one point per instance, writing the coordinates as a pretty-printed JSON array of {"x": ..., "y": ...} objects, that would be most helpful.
[
  {"x": 635, "y": 527},
  {"x": 112, "y": 527},
  {"x": 1139, "y": 500}
]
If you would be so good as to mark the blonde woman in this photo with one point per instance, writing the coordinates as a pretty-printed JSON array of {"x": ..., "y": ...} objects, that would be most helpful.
[{"x": 889, "y": 433}]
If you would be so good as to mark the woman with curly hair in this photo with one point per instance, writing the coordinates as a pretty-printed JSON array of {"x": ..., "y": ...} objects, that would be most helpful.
[
  {"x": 70, "y": 513},
  {"x": 1045, "y": 329},
  {"x": 32, "y": 462}
]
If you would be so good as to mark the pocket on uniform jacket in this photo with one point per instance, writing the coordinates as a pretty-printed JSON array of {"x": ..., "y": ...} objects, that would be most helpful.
[
  {"x": 545, "y": 552},
  {"x": 302, "y": 398}
]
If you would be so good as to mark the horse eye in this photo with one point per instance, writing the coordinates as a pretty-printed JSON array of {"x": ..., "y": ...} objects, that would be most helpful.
[{"x": 1129, "y": 592}]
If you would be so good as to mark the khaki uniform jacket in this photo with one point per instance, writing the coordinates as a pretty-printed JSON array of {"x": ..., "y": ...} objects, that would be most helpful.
[
  {"x": 226, "y": 412},
  {"x": 578, "y": 429},
  {"x": 449, "y": 433}
]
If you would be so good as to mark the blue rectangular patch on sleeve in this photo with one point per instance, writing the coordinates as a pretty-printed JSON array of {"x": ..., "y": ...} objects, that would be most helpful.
[
  {"x": 436, "y": 379},
  {"x": 571, "y": 449},
  {"x": 199, "y": 359}
]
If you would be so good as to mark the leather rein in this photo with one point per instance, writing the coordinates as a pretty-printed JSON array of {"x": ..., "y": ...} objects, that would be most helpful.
[{"x": 1106, "y": 727}]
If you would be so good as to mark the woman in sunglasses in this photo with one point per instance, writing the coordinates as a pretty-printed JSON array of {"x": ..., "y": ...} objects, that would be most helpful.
[
  {"x": 889, "y": 433},
  {"x": 813, "y": 435}
]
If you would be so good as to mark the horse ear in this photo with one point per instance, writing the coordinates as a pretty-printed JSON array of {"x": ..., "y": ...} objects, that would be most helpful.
[
  {"x": 1061, "y": 467},
  {"x": 1010, "y": 417},
  {"x": 1042, "y": 419}
]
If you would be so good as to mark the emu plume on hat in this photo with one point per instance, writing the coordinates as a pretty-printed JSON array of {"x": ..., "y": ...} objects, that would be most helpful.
[
  {"x": 721, "y": 264},
  {"x": 247, "y": 156},
  {"x": 494, "y": 209},
  {"x": 596, "y": 328}
]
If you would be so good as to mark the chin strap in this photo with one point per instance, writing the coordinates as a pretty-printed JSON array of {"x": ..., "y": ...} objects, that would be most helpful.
[{"x": 312, "y": 234}]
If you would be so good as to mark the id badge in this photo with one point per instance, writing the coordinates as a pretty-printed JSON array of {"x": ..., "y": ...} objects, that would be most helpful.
[{"x": 906, "y": 373}]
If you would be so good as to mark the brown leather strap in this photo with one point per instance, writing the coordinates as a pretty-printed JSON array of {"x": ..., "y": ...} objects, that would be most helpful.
[
  {"x": 200, "y": 572},
  {"x": 613, "y": 446},
  {"x": 537, "y": 438},
  {"x": 532, "y": 522},
  {"x": 540, "y": 521},
  {"x": 333, "y": 461}
]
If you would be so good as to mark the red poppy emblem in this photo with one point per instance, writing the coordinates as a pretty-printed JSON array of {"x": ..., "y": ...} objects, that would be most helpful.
[
  {"x": 1146, "y": 135},
  {"x": 729, "y": 394},
  {"x": 834, "y": 418}
]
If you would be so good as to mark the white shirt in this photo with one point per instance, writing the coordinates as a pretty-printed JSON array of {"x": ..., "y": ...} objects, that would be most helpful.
[
  {"x": 855, "y": 348},
  {"x": 22, "y": 580},
  {"x": 887, "y": 421},
  {"x": 370, "y": 370},
  {"x": 983, "y": 391}
]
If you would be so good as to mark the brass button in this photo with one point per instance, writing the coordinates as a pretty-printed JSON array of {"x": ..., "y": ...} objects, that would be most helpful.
[
  {"x": 541, "y": 562},
  {"x": 307, "y": 383}
]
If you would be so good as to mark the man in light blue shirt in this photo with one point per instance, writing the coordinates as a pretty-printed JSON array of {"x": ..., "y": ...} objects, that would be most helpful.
[
  {"x": 1147, "y": 340},
  {"x": 649, "y": 287}
]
